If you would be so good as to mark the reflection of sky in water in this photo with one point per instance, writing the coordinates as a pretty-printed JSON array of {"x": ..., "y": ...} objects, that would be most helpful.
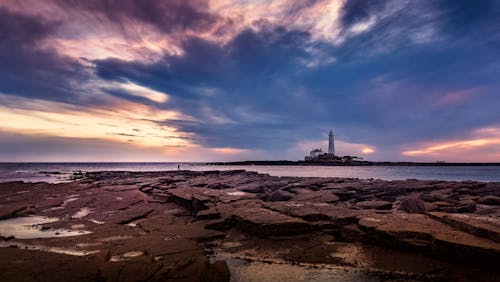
[
  {"x": 71, "y": 252},
  {"x": 256, "y": 271},
  {"x": 29, "y": 228}
]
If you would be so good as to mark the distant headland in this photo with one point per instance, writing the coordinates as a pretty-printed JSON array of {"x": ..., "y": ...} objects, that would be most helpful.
[
  {"x": 318, "y": 158},
  {"x": 349, "y": 163}
]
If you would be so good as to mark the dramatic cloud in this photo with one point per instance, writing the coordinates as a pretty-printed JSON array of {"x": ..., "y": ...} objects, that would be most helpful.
[
  {"x": 29, "y": 70},
  {"x": 396, "y": 80},
  {"x": 168, "y": 16}
]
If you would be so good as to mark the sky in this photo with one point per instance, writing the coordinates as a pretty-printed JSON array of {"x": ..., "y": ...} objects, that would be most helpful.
[{"x": 225, "y": 80}]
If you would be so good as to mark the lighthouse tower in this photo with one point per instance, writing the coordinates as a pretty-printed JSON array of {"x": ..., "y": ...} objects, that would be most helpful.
[{"x": 331, "y": 143}]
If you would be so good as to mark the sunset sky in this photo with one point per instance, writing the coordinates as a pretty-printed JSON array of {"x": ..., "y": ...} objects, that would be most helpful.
[{"x": 215, "y": 80}]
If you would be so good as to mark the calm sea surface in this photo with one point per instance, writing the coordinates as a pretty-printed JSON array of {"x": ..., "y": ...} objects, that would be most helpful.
[{"x": 56, "y": 172}]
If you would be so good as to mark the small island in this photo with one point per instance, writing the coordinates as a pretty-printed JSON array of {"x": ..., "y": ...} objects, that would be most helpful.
[{"x": 318, "y": 158}]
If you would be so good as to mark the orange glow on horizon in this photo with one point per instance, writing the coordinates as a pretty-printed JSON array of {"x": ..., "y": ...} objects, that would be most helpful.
[
  {"x": 124, "y": 122},
  {"x": 449, "y": 146},
  {"x": 367, "y": 150},
  {"x": 229, "y": 150}
]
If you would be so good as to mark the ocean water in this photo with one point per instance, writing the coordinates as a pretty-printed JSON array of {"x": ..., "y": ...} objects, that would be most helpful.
[{"x": 57, "y": 172}]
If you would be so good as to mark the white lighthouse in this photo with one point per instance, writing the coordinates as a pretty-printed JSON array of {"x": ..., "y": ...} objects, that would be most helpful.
[{"x": 331, "y": 143}]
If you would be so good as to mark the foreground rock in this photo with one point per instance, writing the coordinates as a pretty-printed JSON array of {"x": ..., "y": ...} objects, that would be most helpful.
[{"x": 197, "y": 226}]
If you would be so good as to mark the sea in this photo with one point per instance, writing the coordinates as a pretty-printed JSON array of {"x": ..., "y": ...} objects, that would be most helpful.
[{"x": 61, "y": 172}]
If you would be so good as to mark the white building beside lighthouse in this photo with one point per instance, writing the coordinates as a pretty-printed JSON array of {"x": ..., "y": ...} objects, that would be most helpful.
[
  {"x": 331, "y": 143},
  {"x": 318, "y": 155}
]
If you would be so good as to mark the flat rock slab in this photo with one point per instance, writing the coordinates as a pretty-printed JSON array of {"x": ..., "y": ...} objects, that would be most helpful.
[
  {"x": 316, "y": 211},
  {"x": 416, "y": 231},
  {"x": 489, "y": 200},
  {"x": 483, "y": 226},
  {"x": 323, "y": 196},
  {"x": 375, "y": 205},
  {"x": 263, "y": 222}
]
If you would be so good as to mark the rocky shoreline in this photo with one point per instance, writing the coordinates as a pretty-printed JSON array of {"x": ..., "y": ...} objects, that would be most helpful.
[{"x": 245, "y": 226}]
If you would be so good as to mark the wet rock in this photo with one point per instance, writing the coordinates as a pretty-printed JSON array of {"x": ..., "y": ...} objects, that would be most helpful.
[
  {"x": 264, "y": 222},
  {"x": 256, "y": 189},
  {"x": 420, "y": 233},
  {"x": 217, "y": 271},
  {"x": 412, "y": 205},
  {"x": 279, "y": 195},
  {"x": 430, "y": 206},
  {"x": 181, "y": 196},
  {"x": 351, "y": 233},
  {"x": 441, "y": 204},
  {"x": 186, "y": 198},
  {"x": 337, "y": 215},
  {"x": 375, "y": 205},
  {"x": 390, "y": 193},
  {"x": 218, "y": 186},
  {"x": 489, "y": 200},
  {"x": 323, "y": 196},
  {"x": 131, "y": 215},
  {"x": 9, "y": 211},
  {"x": 486, "y": 190},
  {"x": 483, "y": 226},
  {"x": 443, "y": 195},
  {"x": 199, "y": 202},
  {"x": 430, "y": 198},
  {"x": 466, "y": 207},
  {"x": 210, "y": 213},
  {"x": 345, "y": 195}
]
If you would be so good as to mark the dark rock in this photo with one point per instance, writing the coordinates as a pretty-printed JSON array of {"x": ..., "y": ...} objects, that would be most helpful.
[
  {"x": 312, "y": 217},
  {"x": 253, "y": 189},
  {"x": 351, "y": 233},
  {"x": 8, "y": 211},
  {"x": 323, "y": 196},
  {"x": 182, "y": 197},
  {"x": 441, "y": 204},
  {"x": 338, "y": 215},
  {"x": 218, "y": 186},
  {"x": 466, "y": 208},
  {"x": 430, "y": 198},
  {"x": 146, "y": 189},
  {"x": 375, "y": 205},
  {"x": 430, "y": 207},
  {"x": 187, "y": 198},
  {"x": 210, "y": 213},
  {"x": 453, "y": 196},
  {"x": 279, "y": 195},
  {"x": 345, "y": 195},
  {"x": 488, "y": 189},
  {"x": 419, "y": 232},
  {"x": 483, "y": 226},
  {"x": 412, "y": 205},
  {"x": 217, "y": 272},
  {"x": 167, "y": 181},
  {"x": 446, "y": 195},
  {"x": 132, "y": 215},
  {"x": 199, "y": 202},
  {"x": 489, "y": 200},
  {"x": 264, "y": 222}
]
